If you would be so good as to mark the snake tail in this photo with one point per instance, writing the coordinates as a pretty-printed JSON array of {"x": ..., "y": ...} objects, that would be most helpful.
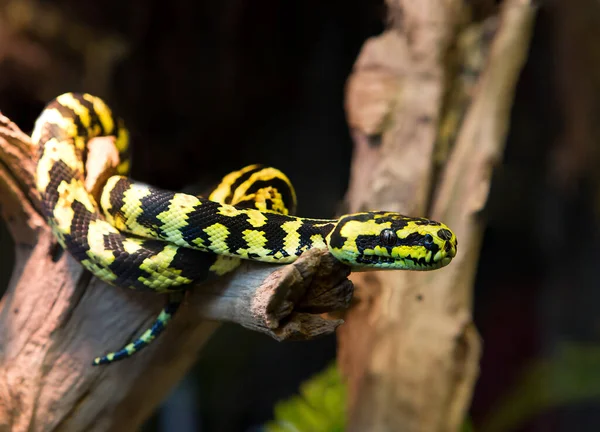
[{"x": 159, "y": 325}]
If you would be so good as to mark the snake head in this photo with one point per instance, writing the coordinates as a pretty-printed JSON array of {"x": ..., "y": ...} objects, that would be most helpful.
[{"x": 384, "y": 240}]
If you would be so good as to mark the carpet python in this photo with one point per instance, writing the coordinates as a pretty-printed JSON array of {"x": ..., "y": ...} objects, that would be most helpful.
[{"x": 146, "y": 238}]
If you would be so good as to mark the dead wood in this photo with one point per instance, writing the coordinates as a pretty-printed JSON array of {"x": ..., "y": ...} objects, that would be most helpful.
[{"x": 409, "y": 348}]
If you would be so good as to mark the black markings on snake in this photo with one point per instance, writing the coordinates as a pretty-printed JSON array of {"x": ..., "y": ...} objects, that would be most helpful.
[
  {"x": 67, "y": 112},
  {"x": 116, "y": 196},
  {"x": 94, "y": 118},
  {"x": 60, "y": 172},
  {"x": 279, "y": 184},
  {"x": 241, "y": 179},
  {"x": 156, "y": 202},
  {"x": 82, "y": 217},
  {"x": 444, "y": 234}
]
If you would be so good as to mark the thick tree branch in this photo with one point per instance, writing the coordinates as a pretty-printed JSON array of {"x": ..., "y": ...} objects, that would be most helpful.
[
  {"x": 55, "y": 317},
  {"x": 409, "y": 349}
]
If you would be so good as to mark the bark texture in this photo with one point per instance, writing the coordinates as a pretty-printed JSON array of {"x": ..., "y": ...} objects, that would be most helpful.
[{"x": 428, "y": 133}]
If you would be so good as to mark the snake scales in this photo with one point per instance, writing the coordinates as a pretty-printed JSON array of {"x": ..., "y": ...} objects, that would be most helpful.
[{"x": 146, "y": 238}]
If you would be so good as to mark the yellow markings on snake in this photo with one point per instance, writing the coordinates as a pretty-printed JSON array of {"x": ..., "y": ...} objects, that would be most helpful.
[
  {"x": 53, "y": 116},
  {"x": 158, "y": 268},
  {"x": 217, "y": 234},
  {"x": 256, "y": 241},
  {"x": 132, "y": 208},
  {"x": 105, "y": 199},
  {"x": 95, "y": 239},
  {"x": 229, "y": 211},
  {"x": 176, "y": 217},
  {"x": 277, "y": 199},
  {"x": 256, "y": 218},
  {"x": 81, "y": 111},
  {"x": 132, "y": 245},
  {"x": 224, "y": 264},
  {"x": 377, "y": 250},
  {"x": 67, "y": 194},
  {"x": 292, "y": 240},
  {"x": 438, "y": 256},
  {"x": 76, "y": 189},
  {"x": 263, "y": 195},
  {"x": 317, "y": 242},
  {"x": 122, "y": 143},
  {"x": 369, "y": 227},
  {"x": 103, "y": 112},
  {"x": 264, "y": 174},
  {"x": 64, "y": 217},
  {"x": 99, "y": 271},
  {"x": 351, "y": 229},
  {"x": 410, "y": 228},
  {"x": 403, "y": 251},
  {"x": 55, "y": 151},
  {"x": 123, "y": 167},
  {"x": 224, "y": 188}
]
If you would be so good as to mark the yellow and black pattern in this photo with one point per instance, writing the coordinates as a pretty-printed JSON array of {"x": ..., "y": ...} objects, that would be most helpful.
[
  {"x": 61, "y": 134},
  {"x": 234, "y": 189},
  {"x": 153, "y": 239}
]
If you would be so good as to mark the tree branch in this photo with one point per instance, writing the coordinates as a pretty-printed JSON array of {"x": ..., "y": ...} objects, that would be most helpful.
[
  {"x": 55, "y": 318},
  {"x": 409, "y": 349}
]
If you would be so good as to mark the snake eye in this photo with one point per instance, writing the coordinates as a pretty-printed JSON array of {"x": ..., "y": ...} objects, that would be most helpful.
[
  {"x": 428, "y": 240},
  {"x": 388, "y": 237}
]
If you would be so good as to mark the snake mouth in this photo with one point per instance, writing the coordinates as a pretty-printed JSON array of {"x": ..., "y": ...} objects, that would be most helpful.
[{"x": 366, "y": 262}]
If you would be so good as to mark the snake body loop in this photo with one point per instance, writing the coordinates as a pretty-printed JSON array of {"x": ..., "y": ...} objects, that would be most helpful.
[{"x": 147, "y": 238}]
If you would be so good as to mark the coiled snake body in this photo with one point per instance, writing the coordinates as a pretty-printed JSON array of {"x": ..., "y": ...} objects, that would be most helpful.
[{"x": 146, "y": 238}]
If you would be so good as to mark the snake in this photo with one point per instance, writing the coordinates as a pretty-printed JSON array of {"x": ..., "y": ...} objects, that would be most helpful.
[{"x": 141, "y": 237}]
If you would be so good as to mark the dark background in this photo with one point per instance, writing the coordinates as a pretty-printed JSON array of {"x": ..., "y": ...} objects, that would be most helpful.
[{"x": 208, "y": 87}]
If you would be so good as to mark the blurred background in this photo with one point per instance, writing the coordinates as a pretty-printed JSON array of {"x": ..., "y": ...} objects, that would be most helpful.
[{"x": 207, "y": 87}]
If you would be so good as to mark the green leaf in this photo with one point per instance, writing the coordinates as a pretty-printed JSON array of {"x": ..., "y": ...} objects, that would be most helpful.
[{"x": 320, "y": 406}]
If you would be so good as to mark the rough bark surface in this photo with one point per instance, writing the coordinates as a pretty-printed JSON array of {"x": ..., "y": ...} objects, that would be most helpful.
[
  {"x": 409, "y": 348},
  {"x": 55, "y": 318}
]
